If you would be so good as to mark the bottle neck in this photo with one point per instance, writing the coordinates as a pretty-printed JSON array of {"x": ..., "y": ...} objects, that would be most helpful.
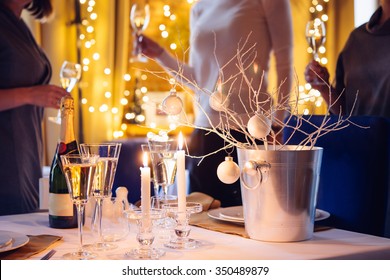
[{"x": 67, "y": 129}]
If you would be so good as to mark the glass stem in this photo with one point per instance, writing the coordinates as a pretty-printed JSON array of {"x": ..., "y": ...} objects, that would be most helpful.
[
  {"x": 165, "y": 190},
  {"x": 315, "y": 56},
  {"x": 99, "y": 205},
  {"x": 80, "y": 215},
  {"x": 155, "y": 189}
]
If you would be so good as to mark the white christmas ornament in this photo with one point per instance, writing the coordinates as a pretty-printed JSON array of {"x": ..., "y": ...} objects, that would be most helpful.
[
  {"x": 228, "y": 171},
  {"x": 259, "y": 126},
  {"x": 172, "y": 104},
  {"x": 218, "y": 101}
]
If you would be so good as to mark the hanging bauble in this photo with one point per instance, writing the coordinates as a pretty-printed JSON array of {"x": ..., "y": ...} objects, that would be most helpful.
[
  {"x": 172, "y": 104},
  {"x": 228, "y": 171},
  {"x": 259, "y": 126},
  {"x": 218, "y": 101}
]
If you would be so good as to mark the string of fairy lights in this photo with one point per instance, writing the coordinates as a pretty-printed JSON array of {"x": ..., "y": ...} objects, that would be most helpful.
[
  {"x": 309, "y": 99},
  {"x": 90, "y": 55}
]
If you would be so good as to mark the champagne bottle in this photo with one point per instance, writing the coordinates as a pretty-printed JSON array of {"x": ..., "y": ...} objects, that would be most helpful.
[{"x": 62, "y": 212}]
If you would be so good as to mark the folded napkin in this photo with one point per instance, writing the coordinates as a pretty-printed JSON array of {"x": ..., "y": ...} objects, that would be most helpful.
[
  {"x": 207, "y": 201},
  {"x": 35, "y": 245},
  {"x": 204, "y": 221}
]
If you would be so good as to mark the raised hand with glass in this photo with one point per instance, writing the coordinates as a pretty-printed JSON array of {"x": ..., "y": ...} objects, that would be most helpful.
[
  {"x": 108, "y": 160},
  {"x": 315, "y": 36},
  {"x": 80, "y": 174},
  {"x": 70, "y": 74},
  {"x": 139, "y": 20}
]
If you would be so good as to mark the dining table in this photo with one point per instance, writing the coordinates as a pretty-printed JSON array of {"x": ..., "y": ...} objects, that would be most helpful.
[{"x": 326, "y": 244}]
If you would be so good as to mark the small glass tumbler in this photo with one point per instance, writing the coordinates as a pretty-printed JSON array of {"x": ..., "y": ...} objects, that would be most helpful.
[
  {"x": 114, "y": 224},
  {"x": 145, "y": 234},
  {"x": 182, "y": 229}
]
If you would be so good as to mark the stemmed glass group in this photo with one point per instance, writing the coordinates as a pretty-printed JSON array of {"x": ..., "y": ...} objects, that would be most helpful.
[
  {"x": 165, "y": 214},
  {"x": 139, "y": 20},
  {"x": 70, "y": 74},
  {"x": 108, "y": 160}
]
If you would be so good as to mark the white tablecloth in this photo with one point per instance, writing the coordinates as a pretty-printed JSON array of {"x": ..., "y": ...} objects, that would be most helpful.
[{"x": 328, "y": 244}]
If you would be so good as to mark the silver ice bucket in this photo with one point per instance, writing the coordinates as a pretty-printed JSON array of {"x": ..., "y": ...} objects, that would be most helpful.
[{"x": 279, "y": 191}]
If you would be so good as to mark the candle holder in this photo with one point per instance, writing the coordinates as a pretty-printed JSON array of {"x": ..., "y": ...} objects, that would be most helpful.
[
  {"x": 145, "y": 234},
  {"x": 182, "y": 229}
]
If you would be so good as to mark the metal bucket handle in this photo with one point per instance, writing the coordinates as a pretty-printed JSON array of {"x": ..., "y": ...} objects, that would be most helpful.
[{"x": 259, "y": 168}]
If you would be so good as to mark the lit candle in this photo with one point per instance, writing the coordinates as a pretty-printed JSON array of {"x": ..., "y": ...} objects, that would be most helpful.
[
  {"x": 181, "y": 177},
  {"x": 145, "y": 185}
]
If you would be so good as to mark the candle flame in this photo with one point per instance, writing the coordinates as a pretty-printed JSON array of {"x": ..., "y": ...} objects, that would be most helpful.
[
  {"x": 145, "y": 159},
  {"x": 180, "y": 141}
]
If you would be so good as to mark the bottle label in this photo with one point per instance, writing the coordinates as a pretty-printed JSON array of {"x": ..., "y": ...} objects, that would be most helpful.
[{"x": 60, "y": 205}]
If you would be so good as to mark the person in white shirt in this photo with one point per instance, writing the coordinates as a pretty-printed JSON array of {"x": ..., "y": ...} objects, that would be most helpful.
[{"x": 218, "y": 29}]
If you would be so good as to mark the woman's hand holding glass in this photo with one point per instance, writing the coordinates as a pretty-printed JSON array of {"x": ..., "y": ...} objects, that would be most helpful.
[
  {"x": 139, "y": 20},
  {"x": 70, "y": 74}
]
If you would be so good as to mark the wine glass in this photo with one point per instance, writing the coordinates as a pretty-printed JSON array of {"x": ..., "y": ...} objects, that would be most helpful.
[
  {"x": 139, "y": 20},
  {"x": 163, "y": 158},
  {"x": 80, "y": 173},
  {"x": 108, "y": 160},
  {"x": 70, "y": 74},
  {"x": 315, "y": 35}
]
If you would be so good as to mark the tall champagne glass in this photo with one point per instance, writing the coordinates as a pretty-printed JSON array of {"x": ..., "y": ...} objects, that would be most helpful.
[
  {"x": 163, "y": 158},
  {"x": 108, "y": 160},
  {"x": 80, "y": 173},
  {"x": 139, "y": 20},
  {"x": 70, "y": 74},
  {"x": 315, "y": 35}
]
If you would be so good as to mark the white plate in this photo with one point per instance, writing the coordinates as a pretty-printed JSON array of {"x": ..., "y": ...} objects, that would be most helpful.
[
  {"x": 5, "y": 239},
  {"x": 321, "y": 215},
  {"x": 225, "y": 214},
  {"x": 18, "y": 240},
  {"x": 235, "y": 214}
]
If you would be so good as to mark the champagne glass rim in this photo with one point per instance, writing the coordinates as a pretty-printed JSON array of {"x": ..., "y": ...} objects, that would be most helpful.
[{"x": 100, "y": 144}]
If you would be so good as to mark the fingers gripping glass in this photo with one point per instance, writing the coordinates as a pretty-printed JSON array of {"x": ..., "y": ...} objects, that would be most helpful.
[
  {"x": 139, "y": 20},
  {"x": 70, "y": 75}
]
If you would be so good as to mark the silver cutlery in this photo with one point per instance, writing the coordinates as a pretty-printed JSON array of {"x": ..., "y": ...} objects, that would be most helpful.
[{"x": 49, "y": 255}]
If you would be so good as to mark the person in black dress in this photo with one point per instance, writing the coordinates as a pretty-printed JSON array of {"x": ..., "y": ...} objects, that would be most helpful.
[{"x": 25, "y": 73}]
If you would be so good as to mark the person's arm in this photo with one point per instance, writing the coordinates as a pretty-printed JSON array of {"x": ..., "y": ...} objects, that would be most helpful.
[
  {"x": 43, "y": 96},
  {"x": 318, "y": 77},
  {"x": 280, "y": 28},
  {"x": 176, "y": 68}
]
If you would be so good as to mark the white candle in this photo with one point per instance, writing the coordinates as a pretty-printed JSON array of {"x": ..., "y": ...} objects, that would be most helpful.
[
  {"x": 181, "y": 177},
  {"x": 145, "y": 185}
]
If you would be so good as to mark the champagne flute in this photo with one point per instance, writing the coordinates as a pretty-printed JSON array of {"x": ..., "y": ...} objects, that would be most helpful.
[
  {"x": 163, "y": 158},
  {"x": 108, "y": 158},
  {"x": 139, "y": 20},
  {"x": 315, "y": 36},
  {"x": 80, "y": 173},
  {"x": 70, "y": 74}
]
